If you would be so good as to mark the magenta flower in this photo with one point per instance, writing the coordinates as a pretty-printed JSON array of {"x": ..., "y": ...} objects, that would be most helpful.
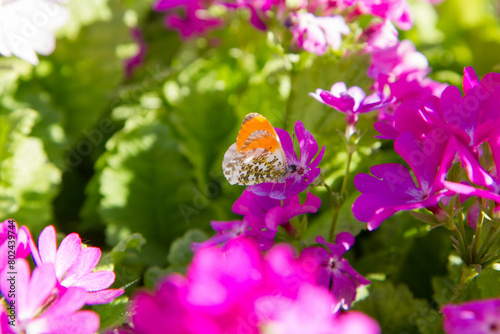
[
  {"x": 303, "y": 171},
  {"x": 315, "y": 34},
  {"x": 471, "y": 118},
  {"x": 397, "y": 11},
  {"x": 478, "y": 317},
  {"x": 194, "y": 21},
  {"x": 398, "y": 60},
  {"x": 138, "y": 59},
  {"x": 352, "y": 101},
  {"x": 392, "y": 189},
  {"x": 257, "y": 8},
  {"x": 409, "y": 90},
  {"x": 478, "y": 175},
  {"x": 39, "y": 308},
  {"x": 234, "y": 289},
  {"x": 334, "y": 272},
  {"x": 380, "y": 35},
  {"x": 262, "y": 216},
  {"x": 13, "y": 241},
  {"x": 73, "y": 265}
]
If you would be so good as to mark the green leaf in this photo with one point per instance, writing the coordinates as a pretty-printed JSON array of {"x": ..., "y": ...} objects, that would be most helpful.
[
  {"x": 125, "y": 259},
  {"x": 395, "y": 308},
  {"x": 28, "y": 181},
  {"x": 145, "y": 183},
  {"x": 179, "y": 257},
  {"x": 84, "y": 70},
  {"x": 488, "y": 283},
  {"x": 113, "y": 314},
  {"x": 180, "y": 253}
]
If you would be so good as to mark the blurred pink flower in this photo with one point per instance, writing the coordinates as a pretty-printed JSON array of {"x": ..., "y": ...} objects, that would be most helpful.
[
  {"x": 397, "y": 11},
  {"x": 315, "y": 34},
  {"x": 73, "y": 263},
  {"x": 27, "y": 27},
  {"x": 38, "y": 305},
  {"x": 234, "y": 289},
  {"x": 138, "y": 59},
  {"x": 397, "y": 60},
  {"x": 379, "y": 36},
  {"x": 477, "y": 316},
  {"x": 194, "y": 21}
]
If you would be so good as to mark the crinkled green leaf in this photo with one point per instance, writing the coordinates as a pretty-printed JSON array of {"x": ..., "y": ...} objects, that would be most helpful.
[
  {"x": 28, "y": 181},
  {"x": 146, "y": 185},
  {"x": 113, "y": 314},
  {"x": 394, "y": 307}
]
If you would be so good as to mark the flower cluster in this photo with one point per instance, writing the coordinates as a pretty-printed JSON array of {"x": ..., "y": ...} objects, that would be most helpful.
[
  {"x": 261, "y": 217},
  {"x": 428, "y": 139},
  {"x": 49, "y": 298},
  {"x": 27, "y": 27},
  {"x": 234, "y": 289}
]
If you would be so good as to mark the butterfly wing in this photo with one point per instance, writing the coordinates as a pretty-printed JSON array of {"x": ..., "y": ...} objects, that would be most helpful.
[{"x": 257, "y": 155}]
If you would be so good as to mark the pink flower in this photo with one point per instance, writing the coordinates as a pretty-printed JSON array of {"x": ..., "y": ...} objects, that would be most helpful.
[
  {"x": 398, "y": 60},
  {"x": 138, "y": 59},
  {"x": 73, "y": 265},
  {"x": 392, "y": 189},
  {"x": 380, "y": 35},
  {"x": 304, "y": 171},
  {"x": 258, "y": 9},
  {"x": 27, "y": 27},
  {"x": 234, "y": 289},
  {"x": 478, "y": 317},
  {"x": 352, "y": 101},
  {"x": 409, "y": 90},
  {"x": 38, "y": 305},
  {"x": 195, "y": 20},
  {"x": 334, "y": 272},
  {"x": 262, "y": 216},
  {"x": 397, "y": 11},
  {"x": 14, "y": 241},
  {"x": 315, "y": 34}
]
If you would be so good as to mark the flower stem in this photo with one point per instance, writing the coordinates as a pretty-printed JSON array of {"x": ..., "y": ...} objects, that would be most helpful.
[
  {"x": 342, "y": 196},
  {"x": 476, "y": 238},
  {"x": 468, "y": 273},
  {"x": 491, "y": 237}
]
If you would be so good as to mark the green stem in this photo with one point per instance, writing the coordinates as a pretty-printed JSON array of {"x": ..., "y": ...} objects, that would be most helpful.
[
  {"x": 467, "y": 275},
  {"x": 337, "y": 206},
  {"x": 476, "y": 238},
  {"x": 491, "y": 238}
]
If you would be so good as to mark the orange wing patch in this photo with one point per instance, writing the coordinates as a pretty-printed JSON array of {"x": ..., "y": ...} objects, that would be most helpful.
[
  {"x": 257, "y": 155},
  {"x": 255, "y": 132}
]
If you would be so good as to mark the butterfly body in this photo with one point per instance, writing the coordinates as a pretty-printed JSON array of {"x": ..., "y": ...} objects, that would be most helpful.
[{"x": 257, "y": 156}]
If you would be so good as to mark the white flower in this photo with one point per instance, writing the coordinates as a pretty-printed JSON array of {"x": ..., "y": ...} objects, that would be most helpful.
[{"x": 27, "y": 27}]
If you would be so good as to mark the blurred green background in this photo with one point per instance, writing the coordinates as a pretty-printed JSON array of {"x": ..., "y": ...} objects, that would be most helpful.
[{"x": 89, "y": 150}]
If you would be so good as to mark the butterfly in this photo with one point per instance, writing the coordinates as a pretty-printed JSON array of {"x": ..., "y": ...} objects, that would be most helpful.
[{"x": 257, "y": 156}]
